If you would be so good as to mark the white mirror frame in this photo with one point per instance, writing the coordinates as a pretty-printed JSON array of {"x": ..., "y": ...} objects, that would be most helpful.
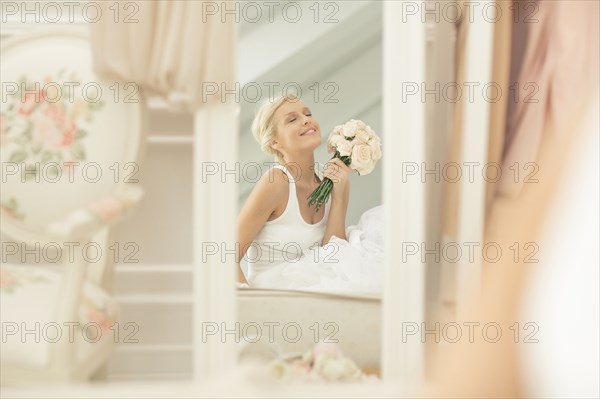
[
  {"x": 476, "y": 117},
  {"x": 216, "y": 210},
  {"x": 216, "y": 140},
  {"x": 404, "y": 286}
]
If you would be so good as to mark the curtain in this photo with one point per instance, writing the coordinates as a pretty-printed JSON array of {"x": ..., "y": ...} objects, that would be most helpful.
[
  {"x": 501, "y": 63},
  {"x": 450, "y": 190},
  {"x": 554, "y": 84},
  {"x": 501, "y": 67},
  {"x": 173, "y": 49}
]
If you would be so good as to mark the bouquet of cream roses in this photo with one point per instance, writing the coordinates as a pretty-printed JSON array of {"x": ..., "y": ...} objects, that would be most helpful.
[{"x": 355, "y": 144}]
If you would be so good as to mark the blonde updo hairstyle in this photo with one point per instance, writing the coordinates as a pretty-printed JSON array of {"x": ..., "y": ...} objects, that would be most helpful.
[{"x": 263, "y": 125}]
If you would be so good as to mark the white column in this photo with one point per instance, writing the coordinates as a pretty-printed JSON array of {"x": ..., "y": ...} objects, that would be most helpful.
[
  {"x": 215, "y": 211},
  {"x": 403, "y": 143}
]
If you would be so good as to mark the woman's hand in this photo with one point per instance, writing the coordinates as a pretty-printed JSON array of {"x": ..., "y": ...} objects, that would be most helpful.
[{"x": 339, "y": 173}]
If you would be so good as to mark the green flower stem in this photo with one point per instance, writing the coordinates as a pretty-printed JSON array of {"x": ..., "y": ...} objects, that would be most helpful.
[{"x": 323, "y": 191}]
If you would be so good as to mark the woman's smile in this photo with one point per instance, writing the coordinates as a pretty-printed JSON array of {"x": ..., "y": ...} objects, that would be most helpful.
[{"x": 309, "y": 132}]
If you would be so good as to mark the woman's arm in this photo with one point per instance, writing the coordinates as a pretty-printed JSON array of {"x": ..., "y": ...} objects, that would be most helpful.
[
  {"x": 262, "y": 201},
  {"x": 338, "y": 172}
]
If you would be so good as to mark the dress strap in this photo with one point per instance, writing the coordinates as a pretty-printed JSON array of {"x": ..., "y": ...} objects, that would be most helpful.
[
  {"x": 290, "y": 178},
  {"x": 286, "y": 171}
]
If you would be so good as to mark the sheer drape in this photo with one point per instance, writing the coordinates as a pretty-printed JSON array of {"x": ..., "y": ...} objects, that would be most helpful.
[
  {"x": 174, "y": 49},
  {"x": 556, "y": 79}
]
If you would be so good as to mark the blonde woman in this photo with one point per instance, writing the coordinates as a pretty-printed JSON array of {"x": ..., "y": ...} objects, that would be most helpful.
[{"x": 276, "y": 224}]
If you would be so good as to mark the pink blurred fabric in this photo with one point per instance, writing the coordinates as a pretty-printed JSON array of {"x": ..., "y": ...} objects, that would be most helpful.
[{"x": 561, "y": 59}]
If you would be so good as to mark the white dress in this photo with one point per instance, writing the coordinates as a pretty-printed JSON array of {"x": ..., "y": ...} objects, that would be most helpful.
[
  {"x": 352, "y": 265},
  {"x": 285, "y": 239}
]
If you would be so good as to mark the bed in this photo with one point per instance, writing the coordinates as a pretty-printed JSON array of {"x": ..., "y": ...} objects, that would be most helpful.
[{"x": 292, "y": 321}]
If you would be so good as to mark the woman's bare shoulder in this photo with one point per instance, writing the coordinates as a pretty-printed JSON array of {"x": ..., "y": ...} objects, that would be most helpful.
[{"x": 272, "y": 185}]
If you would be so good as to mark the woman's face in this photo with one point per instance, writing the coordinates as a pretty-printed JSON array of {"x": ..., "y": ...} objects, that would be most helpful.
[{"x": 297, "y": 131}]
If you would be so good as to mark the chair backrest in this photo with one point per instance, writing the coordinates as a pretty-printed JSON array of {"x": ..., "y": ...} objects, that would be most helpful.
[{"x": 56, "y": 113}]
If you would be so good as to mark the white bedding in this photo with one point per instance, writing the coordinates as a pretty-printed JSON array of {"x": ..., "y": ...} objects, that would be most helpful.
[{"x": 355, "y": 265}]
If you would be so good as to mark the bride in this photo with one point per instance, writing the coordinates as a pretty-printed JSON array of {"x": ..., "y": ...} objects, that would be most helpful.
[{"x": 286, "y": 243}]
